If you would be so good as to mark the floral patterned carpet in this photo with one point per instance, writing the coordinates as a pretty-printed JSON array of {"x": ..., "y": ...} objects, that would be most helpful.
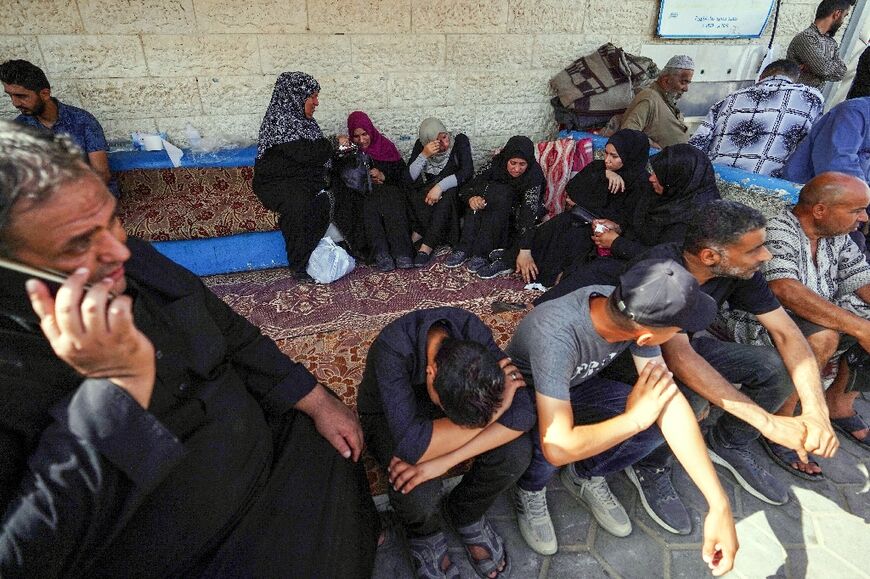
[{"x": 329, "y": 328}]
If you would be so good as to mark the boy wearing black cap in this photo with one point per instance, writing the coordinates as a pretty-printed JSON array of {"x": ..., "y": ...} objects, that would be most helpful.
[{"x": 595, "y": 426}]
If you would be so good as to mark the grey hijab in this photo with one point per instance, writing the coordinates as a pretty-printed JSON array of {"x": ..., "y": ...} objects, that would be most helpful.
[{"x": 429, "y": 131}]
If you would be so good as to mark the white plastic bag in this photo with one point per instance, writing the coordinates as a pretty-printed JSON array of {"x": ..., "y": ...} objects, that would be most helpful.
[{"x": 329, "y": 262}]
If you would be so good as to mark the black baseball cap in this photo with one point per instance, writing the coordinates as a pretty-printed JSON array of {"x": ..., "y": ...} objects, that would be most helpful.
[{"x": 661, "y": 293}]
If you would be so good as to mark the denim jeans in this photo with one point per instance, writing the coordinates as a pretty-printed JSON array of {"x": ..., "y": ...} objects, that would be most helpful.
[
  {"x": 763, "y": 378},
  {"x": 595, "y": 400},
  {"x": 492, "y": 473}
]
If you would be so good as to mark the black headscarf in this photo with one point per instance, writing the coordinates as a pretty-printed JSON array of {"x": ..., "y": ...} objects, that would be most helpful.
[
  {"x": 589, "y": 187},
  {"x": 633, "y": 148},
  {"x": 517, "y": 147},
  {"x": 688, "y": 179}
]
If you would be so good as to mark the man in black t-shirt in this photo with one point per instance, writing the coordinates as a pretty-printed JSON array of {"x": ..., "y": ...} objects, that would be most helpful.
[{"x": 724, "y": 249}]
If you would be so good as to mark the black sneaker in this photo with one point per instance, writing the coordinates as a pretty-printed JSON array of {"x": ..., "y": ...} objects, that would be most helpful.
[
  {"x": 660, "y": 498},
  {"x": 476, "y": 263},
  {"x": 384, "y": 263},
  {"x": 495, "y": 269},
  {"x": 749, "y": 474},
  {"x": 404, "y": 262},
  {"x": 455, "y": 259},
  {"x": 422, "y": 259},
  {"x": 496, "y": 253}
]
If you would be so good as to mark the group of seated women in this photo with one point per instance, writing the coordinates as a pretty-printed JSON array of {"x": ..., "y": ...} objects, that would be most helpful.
[{"x": 492, "y": 221}]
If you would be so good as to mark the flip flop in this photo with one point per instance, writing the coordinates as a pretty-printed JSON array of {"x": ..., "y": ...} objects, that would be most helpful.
[
  {"x": 849, "y": 424},
  {"x": 784, "y": 457}
]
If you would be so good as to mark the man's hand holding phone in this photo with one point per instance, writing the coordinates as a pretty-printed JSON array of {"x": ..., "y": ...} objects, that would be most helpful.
[{"x": 93, "y": 332}]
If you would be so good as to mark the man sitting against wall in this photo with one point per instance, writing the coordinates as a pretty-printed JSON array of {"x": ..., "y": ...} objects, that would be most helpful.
[
  {"x": 757, "y": 128},
  {"x": 654, "y": 110},
  {"x": 819, "y": 274},
  {"x": 146, "y": 429},
  {"x": 30, "y": 91}
]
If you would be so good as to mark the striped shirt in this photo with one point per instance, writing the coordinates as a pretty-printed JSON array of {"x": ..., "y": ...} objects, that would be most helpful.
[{"x": 819, "y": 57}]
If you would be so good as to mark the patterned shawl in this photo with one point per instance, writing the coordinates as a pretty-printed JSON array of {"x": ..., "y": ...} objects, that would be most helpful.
[{"x": 285, "y": 119}]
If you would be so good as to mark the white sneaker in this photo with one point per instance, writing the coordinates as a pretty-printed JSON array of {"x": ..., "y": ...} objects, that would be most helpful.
[
  {"x": 534, "y": 521},
  {"x": 596, "y": 495}
]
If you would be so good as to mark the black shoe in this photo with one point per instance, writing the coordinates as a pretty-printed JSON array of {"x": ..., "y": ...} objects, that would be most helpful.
[
  {"x": 422, "y": 259},
  {"x": 660, "y": 498},
  {"x": 384, "y": 263},
  {"x": 495, "y": 269},
  {"x": 753, "y": 477},
  {"x": 404, "y": 262}
]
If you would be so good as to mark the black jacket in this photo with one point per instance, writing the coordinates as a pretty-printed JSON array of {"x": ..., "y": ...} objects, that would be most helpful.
[{"x": 86, "y": 474}]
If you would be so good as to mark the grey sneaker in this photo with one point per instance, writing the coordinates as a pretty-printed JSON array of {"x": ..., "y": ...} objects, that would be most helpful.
[
  {"x": 534, "y": 521},
  {"x": 749, "y": 474},
  {"x": 495, "y": 269},
  {"x": 660, "y": 498},
  {"x": 476, "y": 263},
  {"x": 455, "y": 259},
  {"x": 596, "y": 495}
]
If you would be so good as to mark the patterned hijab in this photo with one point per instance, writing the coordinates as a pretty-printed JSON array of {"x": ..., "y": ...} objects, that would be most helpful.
[
  {"x": 380, "y": 148},
  {"x": 518, "y": 147},
  {"x": 429, "y": 130},
  {"x": 285, "y": 119}
]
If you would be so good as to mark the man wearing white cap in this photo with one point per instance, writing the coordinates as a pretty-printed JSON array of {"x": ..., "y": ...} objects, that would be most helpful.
[{"x": 654, "y": 110}]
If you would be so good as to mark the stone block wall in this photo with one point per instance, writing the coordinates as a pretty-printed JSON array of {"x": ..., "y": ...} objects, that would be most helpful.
[{"x": 482, "y": 66}]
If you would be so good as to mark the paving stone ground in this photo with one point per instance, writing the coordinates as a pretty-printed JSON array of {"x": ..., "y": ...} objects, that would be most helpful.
[{"x": 822, "y": 532}]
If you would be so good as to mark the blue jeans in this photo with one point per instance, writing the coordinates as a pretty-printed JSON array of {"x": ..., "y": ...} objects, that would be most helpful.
[
  {"x": 763, "y": 378},
  {"x": 595, "y": 400}
]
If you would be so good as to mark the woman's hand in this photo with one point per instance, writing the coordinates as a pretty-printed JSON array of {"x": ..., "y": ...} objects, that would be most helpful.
[
  {"x": 343, "y": 140},
  {"x": 604, "y": 239},
  {"x": 377, "y": 176},
  {"x": 434, "y": 195},
  {"x": 526, "y": 266},
  {"x": 615, "y": 183},
  {"x": 477, "y": 203},
  {"x": 431, "y": 148},
  {"x": 608, "y": 224}
]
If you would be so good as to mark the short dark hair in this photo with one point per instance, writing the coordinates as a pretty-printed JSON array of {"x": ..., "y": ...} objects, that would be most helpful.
[
  {"x": 469, "y": 382},
  {"x": 828, "y": 7},
  {"x": 784, "y": 67},
  {"x": 33, "y": 164},
  {"x": 24, "y": 74},
  {"x": 720, "y": 223}
]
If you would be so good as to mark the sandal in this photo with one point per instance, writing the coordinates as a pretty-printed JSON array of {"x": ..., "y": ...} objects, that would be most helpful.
[
  {"x": 481, "y": 534},
  {"x": 428, "y": 553},
  {"x": 499, "y": 306},
  {"x": 849, "y": 424},
  {"x": 785, "y": 457}
]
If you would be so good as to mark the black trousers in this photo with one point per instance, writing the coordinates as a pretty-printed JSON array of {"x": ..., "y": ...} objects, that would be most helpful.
[
  {"x": 315, "y": 517},
  {"x": 489, "y": 228},
  {"x": 385, "y": 217},
  {"x": 439, "y": 223},
  {"x": 302, "y": 217},
  {"x": 492, "y": 473}
]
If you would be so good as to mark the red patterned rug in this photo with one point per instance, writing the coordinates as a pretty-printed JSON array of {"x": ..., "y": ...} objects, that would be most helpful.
[
  {"x": 329, "y": 328},
  {"x": 365, "y": 299}
]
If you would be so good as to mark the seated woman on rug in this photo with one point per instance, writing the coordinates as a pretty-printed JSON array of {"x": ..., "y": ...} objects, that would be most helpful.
[
  {"x": 384, "y": 233},
  {"x": 682, "y": 180},
  {"x": 600, "y": 188},
  {"x": 291, "y": 171},
  {"x": 503, "y": 204},
  {"x": 440, "y": 164}
]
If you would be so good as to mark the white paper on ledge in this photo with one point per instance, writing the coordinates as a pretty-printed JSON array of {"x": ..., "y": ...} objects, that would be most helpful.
[{"x": 174, "y": 153}]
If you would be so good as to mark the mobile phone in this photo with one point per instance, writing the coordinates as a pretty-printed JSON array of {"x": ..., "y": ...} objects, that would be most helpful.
[{"x": 43, "y": 273}]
